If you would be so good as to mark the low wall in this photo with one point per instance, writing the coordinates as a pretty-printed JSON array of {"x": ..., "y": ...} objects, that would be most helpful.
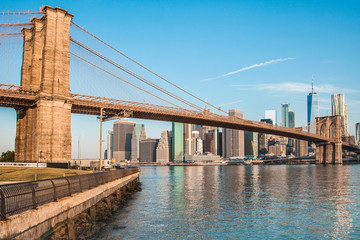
[
  {"x": 22, "y": 164},
  {"x": 34, "y": 223}
]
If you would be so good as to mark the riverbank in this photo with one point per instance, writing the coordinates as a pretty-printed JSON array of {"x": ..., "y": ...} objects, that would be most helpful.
[{"x": 277, "y": 161}]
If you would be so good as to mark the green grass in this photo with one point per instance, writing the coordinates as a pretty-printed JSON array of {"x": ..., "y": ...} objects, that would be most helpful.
[{"x": 28, "y": 174}]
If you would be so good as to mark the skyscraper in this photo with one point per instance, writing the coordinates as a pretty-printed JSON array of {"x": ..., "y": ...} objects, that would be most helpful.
[
  {"x": 188, "y": 138},
  {"x": 233, "y": 140},
  {"x": 140, "y": 135},
  {"x": 123, "y": 130},
  {"x": 177, "y": 141},
  {"x": 357, "y": 132},
  {"x": 163, "y": 149},
  {"x": 209, "y": 142},
  {"x": 285, "y": 114},
  {"x": 251, "y": 139},
  {"x": 338, "y": 107},
  {"x": 148, "y": 150},
  {"x": 291, "y": 119},
  {"x": 134, "y": 147},
  {"x": 312, "y": 109},
  {"x": 271, "y": 114},
  {"x": 110, "y": 136}
]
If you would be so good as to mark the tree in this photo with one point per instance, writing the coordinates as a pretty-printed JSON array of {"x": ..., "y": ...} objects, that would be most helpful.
[{"x": 7, "y": 156}]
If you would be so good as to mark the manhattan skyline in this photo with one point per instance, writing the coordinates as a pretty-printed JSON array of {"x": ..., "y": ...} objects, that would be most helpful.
[{"x": 233, "y": 54}]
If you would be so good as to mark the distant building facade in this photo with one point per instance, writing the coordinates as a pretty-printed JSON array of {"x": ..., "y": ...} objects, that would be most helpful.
[
  {"x": 177, "y": 141},
  {"x": 148, "y": 150},
  {"x": 357, "y": 132},
  {"x": 140, "y": 135},
  {"x": 285, "y": 114},
  {"x": 210, "y": 144},
  {"x": 301, "y": 147},
  {"x": 233, "y": 140},
  {"x": 251, "y": 143},
  {"x": 188, "y": 128},
  {"x": 271, "y": 114},
  {"x": 338, "y": 107},
  {"x": 277, "y": 149},
  {"x": 110, "y": 137},
  {"x": 123, "y": 131},
  {"x": 135, "y": 149},
  {"x": 291, "y": 119},
  {"x": 163, "y": 148},
  {"x": 267, "y": 120}
]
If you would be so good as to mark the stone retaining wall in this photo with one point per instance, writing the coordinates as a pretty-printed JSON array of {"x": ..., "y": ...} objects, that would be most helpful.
[{"x": 72, "y": 212}]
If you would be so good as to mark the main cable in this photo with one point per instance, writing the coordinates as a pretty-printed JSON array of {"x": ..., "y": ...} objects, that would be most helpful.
[
  {"x": 135, "y": 75},
  {"x": 94, "y": 65},
  {"x": 97, "y": 38}
]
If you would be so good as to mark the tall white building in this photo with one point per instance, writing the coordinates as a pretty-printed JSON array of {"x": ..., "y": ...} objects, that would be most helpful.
[
  {"x": 338, "y": 107},
  {"x": 110, "y": 144},
  {"x": 271, "y": 114}
]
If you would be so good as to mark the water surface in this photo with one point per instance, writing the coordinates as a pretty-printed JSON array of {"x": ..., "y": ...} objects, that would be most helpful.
[{"x": 242, "y": 202}]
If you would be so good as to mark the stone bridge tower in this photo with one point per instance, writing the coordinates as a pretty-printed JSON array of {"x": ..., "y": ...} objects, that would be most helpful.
[
  {"x": 327, "y": 152},
  {"x": 44, "y": 130}
]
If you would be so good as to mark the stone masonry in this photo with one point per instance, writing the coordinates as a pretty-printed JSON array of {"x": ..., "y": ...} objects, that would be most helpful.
[
  {"x": 44, "y": 131},
  {"x": 329, "y": 153}
]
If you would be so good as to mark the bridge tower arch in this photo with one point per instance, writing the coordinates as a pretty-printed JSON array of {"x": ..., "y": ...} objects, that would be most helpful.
[
  {"x": 327, "y": 152},
  {"x": 44, "y": 130}
]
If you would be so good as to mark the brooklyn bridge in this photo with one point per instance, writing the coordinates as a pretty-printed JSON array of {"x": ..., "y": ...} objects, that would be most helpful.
[{"x": 54, "y": 47}]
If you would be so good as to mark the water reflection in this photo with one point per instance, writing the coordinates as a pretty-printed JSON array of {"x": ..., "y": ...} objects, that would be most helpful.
[{"x": 272, "y": 202}]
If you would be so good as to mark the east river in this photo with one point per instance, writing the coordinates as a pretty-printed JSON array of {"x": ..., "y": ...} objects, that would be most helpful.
[{"x": 242, "y": 202}]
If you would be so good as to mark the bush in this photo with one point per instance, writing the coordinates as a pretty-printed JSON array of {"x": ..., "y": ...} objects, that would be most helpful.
[{"x": 8, "y": 156}]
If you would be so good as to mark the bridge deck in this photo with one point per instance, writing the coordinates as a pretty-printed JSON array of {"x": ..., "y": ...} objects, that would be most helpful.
[{"x": 14, "y": 96}]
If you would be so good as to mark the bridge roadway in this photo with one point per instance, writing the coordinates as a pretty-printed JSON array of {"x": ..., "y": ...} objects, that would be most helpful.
[{"x": 18, "y": 97}]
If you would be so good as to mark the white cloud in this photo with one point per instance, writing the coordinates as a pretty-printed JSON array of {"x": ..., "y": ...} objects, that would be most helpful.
[
  {"x": 230, "y": 103},
  {"x": 250, "y": 67},
  {"x": 297, "y": 87}
]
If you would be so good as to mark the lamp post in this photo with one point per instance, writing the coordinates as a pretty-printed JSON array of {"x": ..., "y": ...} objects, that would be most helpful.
[
  {"x": 101, "y": 116},
  {"x": 39, "y": 159}
]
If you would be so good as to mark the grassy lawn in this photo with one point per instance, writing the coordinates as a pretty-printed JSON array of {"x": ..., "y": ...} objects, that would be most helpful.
[{"x": 28, "y": 173}]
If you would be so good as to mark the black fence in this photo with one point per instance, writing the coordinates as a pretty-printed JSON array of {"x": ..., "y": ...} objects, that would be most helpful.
[{"x": 19, "y": 197}]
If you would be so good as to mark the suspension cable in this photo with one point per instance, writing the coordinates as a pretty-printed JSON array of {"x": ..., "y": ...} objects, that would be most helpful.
[
  {"x": 135, "y": 75},
  {"x": 219, "y": 109},
  {"x": 122, "y": 79}
]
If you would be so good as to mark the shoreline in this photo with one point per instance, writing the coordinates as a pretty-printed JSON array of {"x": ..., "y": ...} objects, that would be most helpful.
[{"x": 265, "y": 162}]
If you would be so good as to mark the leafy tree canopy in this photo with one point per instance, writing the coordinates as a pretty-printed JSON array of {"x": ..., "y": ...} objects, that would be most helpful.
[{"x": 7, "y": 156}]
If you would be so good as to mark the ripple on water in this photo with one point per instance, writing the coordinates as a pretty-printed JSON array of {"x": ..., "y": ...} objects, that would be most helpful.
[{"x": 233, "y": 202}]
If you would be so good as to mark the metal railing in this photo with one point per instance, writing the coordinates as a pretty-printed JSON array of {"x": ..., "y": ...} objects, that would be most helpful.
[{"x": 19, "y": 197}]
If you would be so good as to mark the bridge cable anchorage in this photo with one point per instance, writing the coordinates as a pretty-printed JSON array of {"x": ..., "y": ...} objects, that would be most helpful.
[
  {"x": 97, "y": 38},
  {"x": 122, "y": 79},
  {"x": 135, "y": 75}
]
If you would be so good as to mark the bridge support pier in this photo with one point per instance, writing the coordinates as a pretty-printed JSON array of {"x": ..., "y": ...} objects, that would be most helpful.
[
  {"x": 43, "y": 131},
  {"x": 327, "y": 152}
]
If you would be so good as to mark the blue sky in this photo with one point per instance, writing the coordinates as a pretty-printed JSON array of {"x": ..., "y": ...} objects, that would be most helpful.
[{"x": 250, "y": 55}]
